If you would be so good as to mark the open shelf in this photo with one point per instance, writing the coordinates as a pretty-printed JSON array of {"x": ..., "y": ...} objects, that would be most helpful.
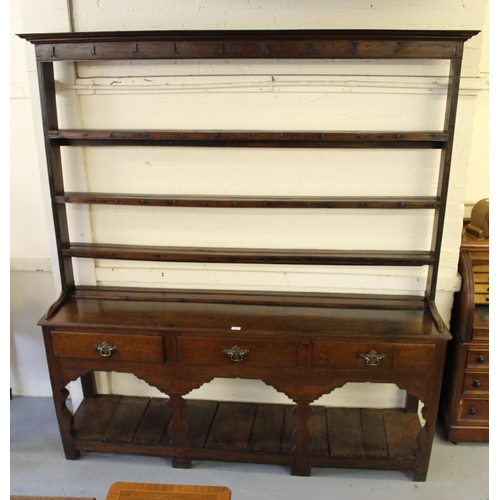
[
  {"x": 247, "y": 431},
  {"x": 254, "y": 255},
  {"x": 289, "y": 202},
  {"x": 429, "y": 140}
]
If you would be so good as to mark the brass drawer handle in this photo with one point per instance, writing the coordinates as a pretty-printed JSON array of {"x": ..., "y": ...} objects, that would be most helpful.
[
  {"x": 373, "y": 358},
  {"x": 105, "y": 348},
  {"x": 236, "y": 353}
]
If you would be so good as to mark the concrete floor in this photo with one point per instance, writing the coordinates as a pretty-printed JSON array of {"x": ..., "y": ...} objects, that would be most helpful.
[{"x": 38, "y": 467}]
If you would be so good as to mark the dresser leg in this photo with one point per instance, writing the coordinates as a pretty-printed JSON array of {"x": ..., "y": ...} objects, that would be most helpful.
[
  {"x": 301, "y": 440},
  {"x": 60, "y": 395},
  {"x": 429, "y": 413},
  {"x": 178, "y": 431},
  {"x": 300, "y": 470},
  {"x": 65, "y": 421},
  {"x": 181, "y": 463},
  {"x": 419, "y": 475},
  {"x": 424, "y": 451},
  {"x": 424, "y": 441}
]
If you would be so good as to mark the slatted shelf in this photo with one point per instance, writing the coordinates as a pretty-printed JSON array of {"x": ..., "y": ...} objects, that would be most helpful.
[
  {"x": 254, "y": 255},
  {"x": 243, "y": 429}
]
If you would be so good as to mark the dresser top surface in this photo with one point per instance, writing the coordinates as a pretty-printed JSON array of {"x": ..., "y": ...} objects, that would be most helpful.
[{"x": 255, "y": 314}]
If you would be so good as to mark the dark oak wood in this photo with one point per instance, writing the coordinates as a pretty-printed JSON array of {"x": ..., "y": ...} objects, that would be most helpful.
[
  {"x": 346, "y": 441},
  {"x": 429, "y": 140},
  {"x": 46, "y": 82},
  {"x": 199, "y": 416},
  {"x": 211, "y": 320},
  {"x": 144, "y": 348},
  {"x": 232, "y": 426},
  {"x": 373, "y": 434},
  {"x": 409, "y": 202},
  {"x": 304, "y": 345},
  {"x": 317, "y": 426},
  {"x": 304, "y": 299},
  {"x": 248, "y": 44},
  {"x": 401, "y": 439},
  {"x": 444, "y": 172},
  {"x": 254, "y": 255},
  {"x": 153, "y": 424},
  {"x": 465, "y": 394},
  {"x": 407, "y": 336},
  {"x": 267, "y": 428},
  {"x": 121, "y": 428}
]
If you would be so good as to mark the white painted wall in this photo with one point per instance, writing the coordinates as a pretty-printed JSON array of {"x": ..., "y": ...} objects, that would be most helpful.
[{"x": 243, "y": 96}]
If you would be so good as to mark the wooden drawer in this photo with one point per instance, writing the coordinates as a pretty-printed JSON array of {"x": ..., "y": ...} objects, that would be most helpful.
[
  {"x": 476, "y": 383},
  {"x": 474, "y": 410},
  {"x": 216, "y": 351},
  {"x": 478, "y": 358},
  {"x": 137, "y": 347},
  {"x": 481, "y": 322},
  {"x": 481, "y": 284},
  {"x": 482, "y": 298},
  {"x": 363, "y": 355}
]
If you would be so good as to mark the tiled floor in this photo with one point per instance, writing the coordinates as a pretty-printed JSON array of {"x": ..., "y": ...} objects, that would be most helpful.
[{"x": 38, "y": 467}]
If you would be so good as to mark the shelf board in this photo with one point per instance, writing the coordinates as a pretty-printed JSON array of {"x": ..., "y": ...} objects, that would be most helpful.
[
  {"x": 216, "y": 201},
  {"x": 328, "y": 315},
  {"x": 428, "y": 140},
  {"x": 253, "y": 256},
  {"x": 238, "y": 431},
  {"x": 266, "y": 298}
]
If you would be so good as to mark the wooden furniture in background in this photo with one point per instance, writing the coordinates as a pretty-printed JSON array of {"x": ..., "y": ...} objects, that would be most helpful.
[
  {"x": 30, "y": 497},
  {"x": 145, "y": 491},
  {"x": 465, "y": 393},
  {"x": 479, "y": 224},
  {"x": 304, "y": 345}
]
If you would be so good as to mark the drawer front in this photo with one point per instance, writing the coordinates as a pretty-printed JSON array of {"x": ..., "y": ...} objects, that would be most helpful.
[
  {"x": 481, "y": 322},
  {"x": 482, "y": 288},
  {"x": 478, "y": 358},
  {"x": 234, "y": 350},
  {"x": 480, "y": 333},
  {"x": 474, "y": 410},
  {"x": 113, "y": 346},
  {"x": 482, "y": 297},
  {"x": 476, "y": 383},
  {"x": 373, "y": 356}
]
